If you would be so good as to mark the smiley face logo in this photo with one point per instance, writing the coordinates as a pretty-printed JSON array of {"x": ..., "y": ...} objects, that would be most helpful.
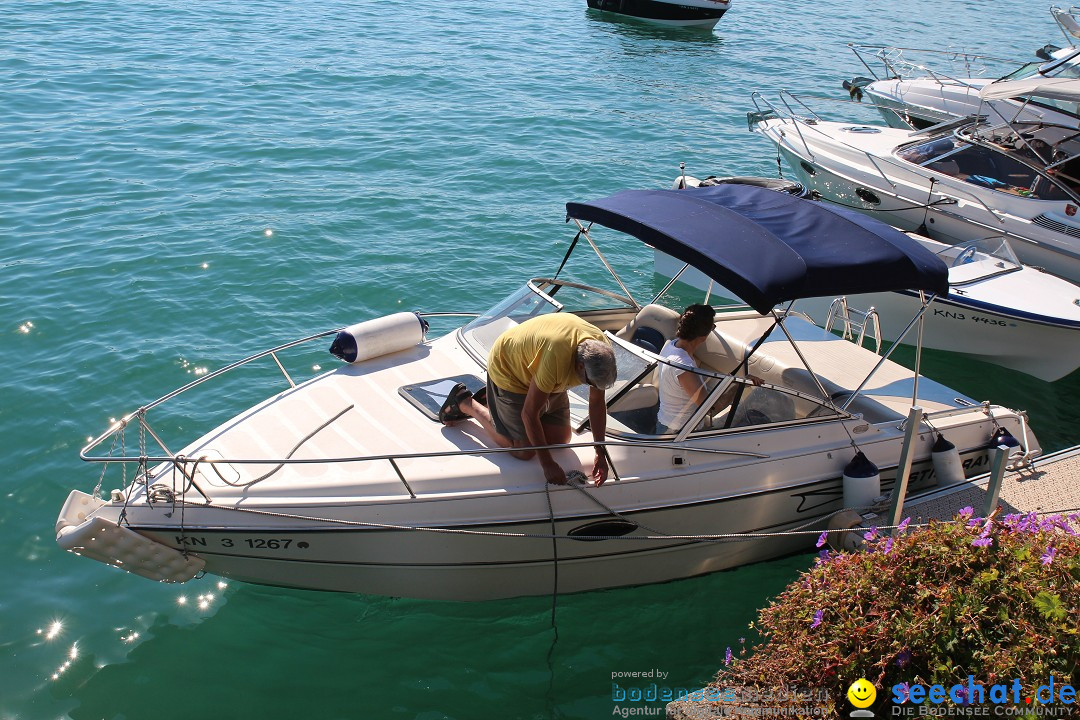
[{"x": 861, "y": 694}]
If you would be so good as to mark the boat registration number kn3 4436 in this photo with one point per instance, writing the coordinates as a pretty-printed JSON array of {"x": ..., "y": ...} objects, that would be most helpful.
[
  {"x": 949, "y": 314},
  {"x": 242, "y": 543}
]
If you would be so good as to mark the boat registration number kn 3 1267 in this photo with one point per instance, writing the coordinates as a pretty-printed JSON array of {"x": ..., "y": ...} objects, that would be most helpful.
[{"x": 257, "y": 543}]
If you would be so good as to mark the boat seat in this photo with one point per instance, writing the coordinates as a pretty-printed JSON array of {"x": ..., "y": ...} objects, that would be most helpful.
[
  {"x": 651, "y": 327},
  {"x": 637, "y": 409}
]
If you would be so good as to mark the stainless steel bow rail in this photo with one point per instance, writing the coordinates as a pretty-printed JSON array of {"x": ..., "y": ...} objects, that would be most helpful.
[
  {"x": 187, "y": 466},
  {"x": 891, "y": 62}
]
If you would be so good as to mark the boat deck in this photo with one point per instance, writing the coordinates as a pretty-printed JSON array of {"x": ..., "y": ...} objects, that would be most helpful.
[{"x": 1051, "y": 486}]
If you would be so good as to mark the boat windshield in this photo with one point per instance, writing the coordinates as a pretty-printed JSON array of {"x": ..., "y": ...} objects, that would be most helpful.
[
  {"x": 997, "y": 248},
  {"x": 537, "y": 298},
  {"x": 976, "y": 261},
  {"x": 528, "y": 302}
]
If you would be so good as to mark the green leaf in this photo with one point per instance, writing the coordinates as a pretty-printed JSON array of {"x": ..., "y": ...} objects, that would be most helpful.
[{"x": 1049, "y": 604}]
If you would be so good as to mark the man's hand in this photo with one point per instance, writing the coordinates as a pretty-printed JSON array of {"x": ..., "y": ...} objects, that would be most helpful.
[
  {"x": 600, "y": 469},
  {"x": 553, "y": 473}
]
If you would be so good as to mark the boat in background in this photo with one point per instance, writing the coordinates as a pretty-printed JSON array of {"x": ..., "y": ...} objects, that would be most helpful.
[
  {"x": 911, "y": 90},
  {"x": 997, "y": 311},
  {"x": 702, "y": 14},
  {"x": 349, "y": 482},
  {"x": 957, "y": 182}
]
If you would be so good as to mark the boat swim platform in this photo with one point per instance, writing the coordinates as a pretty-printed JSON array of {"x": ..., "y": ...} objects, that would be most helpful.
[{"x": 1049, "y": 485}]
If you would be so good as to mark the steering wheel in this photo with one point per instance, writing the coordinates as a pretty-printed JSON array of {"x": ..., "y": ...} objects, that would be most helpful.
[{"x": 968, "y": 255}]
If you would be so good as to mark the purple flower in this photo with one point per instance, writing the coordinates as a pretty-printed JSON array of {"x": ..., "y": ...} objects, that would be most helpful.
[
  {"x": 974, "y": 522},
  {"x": 871, "y": 534},
  {"x": 903, "y": 689},
  {"x": 823, "y": 538},
  {"x": 888, "y": 545},
  {"x": 728, "y": 657},
  {"x": 1048, "y": 556},
  {"x": 903, "y": 658},
  {"x": 982, "y": 542},
  {"x": 966, "y": 512},
  {"x": 822, "y": 558},
  {"x": 903, "y": 525},
  {"x": 817, "y": 619}
]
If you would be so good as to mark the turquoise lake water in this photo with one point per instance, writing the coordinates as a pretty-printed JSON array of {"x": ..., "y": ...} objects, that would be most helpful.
[{"x": 183, "y": 184}]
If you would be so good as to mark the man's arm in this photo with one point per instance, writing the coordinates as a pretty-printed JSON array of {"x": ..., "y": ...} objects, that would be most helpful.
[
  {"x": 535, "y": 400},
  {"x": 598, "y": 425}
]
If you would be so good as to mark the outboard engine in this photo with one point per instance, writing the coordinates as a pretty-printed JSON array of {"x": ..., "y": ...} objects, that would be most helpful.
[{"x": 380, "y": 336}]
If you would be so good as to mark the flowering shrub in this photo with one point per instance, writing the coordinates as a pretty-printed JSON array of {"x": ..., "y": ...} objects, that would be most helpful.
[{"x": 998, "y": 599}]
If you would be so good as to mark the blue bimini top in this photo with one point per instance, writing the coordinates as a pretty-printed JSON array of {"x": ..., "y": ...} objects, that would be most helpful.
[{"x": 769, "y": 247}]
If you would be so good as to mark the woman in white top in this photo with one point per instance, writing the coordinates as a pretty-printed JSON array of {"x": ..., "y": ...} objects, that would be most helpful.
[{"x": 683, "y": 391}]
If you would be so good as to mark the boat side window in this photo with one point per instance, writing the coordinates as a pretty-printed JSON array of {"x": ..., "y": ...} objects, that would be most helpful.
[
  {"x": 923, "y": 153},
  {"x": 632, "y": 401},
  {"x": 998, "y": 171},
  {"x": 767, "y": 405},
  {"x": 1067, "y": 173},
  {"x": 970, "y": 161}
]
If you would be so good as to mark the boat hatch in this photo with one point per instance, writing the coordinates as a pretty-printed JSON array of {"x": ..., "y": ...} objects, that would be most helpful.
[{"x": 429, "y": 396}]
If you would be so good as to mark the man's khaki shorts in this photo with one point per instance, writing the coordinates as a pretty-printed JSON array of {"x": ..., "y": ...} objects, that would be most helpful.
[{"x": 506, "y": 406}]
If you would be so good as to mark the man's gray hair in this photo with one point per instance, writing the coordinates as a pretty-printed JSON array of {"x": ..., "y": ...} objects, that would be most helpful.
[{"x": 598, "y": 357}]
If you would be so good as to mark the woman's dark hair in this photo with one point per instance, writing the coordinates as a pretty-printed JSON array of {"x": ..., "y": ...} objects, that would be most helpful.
[{"x": 696, "y": 321}]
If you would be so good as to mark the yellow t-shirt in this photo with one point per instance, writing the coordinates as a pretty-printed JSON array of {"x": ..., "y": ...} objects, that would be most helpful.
[{"x": 543, "y": 348}]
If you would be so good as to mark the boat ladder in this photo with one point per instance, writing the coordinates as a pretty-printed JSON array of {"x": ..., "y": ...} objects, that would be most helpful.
[{"x": 855, "y": 320}]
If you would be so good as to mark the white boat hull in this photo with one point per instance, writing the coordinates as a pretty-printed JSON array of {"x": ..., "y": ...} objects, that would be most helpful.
[
  {"x": 514, "y": 558},
  {"x": 1046, "y": 351},
  {"x": 921, "y": 102}
]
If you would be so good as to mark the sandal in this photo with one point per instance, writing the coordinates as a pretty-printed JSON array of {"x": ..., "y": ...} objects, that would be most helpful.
[
  {"x": 450, "y": 412},
  {"x": 480, "y": 396}
]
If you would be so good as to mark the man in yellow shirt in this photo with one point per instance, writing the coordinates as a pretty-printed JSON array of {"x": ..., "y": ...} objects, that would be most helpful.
[{"x": 530, "y": 368}]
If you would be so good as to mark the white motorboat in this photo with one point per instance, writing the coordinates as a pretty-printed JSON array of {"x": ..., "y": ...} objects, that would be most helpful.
[
  {"x": 916, "y": 88},
  {"x": 702, "y": 14},
  {"x": 347, "y": 481},
  {"x": 997, "y": 311},
  {"x": 956, "y": 182},
  {"x": 935, "y": 97}
]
